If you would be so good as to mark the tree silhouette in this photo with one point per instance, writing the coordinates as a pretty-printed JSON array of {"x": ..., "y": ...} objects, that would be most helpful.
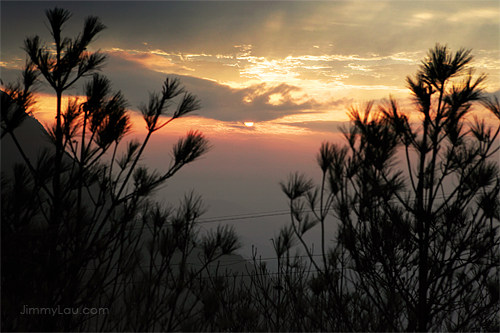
[
  {"x": 419, "y": 242},
  {"x": 78, "y": 226},
  {"x": 414, "y": 199}
]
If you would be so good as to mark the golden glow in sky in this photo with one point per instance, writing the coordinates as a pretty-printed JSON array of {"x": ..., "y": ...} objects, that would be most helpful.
[
  {"x": 289, "y": 66},
  {"x": 274, "y": 78}
]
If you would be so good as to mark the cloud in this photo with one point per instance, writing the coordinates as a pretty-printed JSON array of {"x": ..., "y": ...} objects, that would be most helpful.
[
  {"x": 137, "y": 75},
  {"x": 9, "y": 74},
  {"x": 323, "y": 126},
  {"x": 278, "y": 28},
  {"x": 480, "y": 15},
  {"x": 420, "y": 19},
  {"x": 258, "y": 102},
  {"x": 358, "y": 50},
  {"x": 151, "y": 61},
  {"x": 492, "y": 95}
]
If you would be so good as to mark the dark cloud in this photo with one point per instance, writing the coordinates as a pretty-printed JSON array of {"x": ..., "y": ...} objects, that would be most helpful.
[
  {"x": 492, "y": 95},
  {"x": 219, "y": 101},
  {"x": 273, "y": 28},
  {"x": 9, "y": 75},
  {"x": 259, "y": 102}
]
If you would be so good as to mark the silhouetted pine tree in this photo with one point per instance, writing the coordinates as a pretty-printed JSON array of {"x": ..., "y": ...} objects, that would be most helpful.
[
  {"x": 78, "y": 227},
  {"x": 417, "y": 247}
]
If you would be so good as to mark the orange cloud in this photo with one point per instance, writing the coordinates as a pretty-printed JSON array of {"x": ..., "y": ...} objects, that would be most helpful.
[
  {"x": 45, "y": 108},
  {"x": 152, "y": 61}
]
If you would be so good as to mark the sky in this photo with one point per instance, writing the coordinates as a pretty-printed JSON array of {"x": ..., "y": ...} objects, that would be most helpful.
[{"x": 290, "y": 68}]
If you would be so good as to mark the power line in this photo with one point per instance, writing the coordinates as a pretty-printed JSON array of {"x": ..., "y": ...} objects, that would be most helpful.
[
  {"x": 227, "y": 275},
  {"x": 259, "y": 214},
  {"x": 243, "y": 216},
  {"x": 218, "y": 263},
  {"x": 246, "y": 216}
]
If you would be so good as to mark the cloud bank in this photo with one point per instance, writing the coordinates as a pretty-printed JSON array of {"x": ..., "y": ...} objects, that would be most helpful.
[{"x": 258, "y": 102}]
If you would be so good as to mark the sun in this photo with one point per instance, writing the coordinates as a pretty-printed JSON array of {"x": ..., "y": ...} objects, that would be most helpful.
[{"x": 248, "y": 123}]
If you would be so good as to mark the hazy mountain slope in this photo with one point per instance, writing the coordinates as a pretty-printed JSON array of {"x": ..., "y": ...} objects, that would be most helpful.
[{"x": 31, "y": 136}]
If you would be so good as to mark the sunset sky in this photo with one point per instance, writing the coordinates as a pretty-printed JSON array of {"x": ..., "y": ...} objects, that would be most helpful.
[{"x": 291, "y": 68}]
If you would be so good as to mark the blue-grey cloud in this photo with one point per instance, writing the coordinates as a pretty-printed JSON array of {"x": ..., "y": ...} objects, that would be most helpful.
[
  {"x": 219, "y": 101},
  {"x": 274, "y": 29}
]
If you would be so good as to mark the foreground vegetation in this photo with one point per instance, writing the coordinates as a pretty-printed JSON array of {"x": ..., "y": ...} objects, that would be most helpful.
[{"x": 411, "y": 252}]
